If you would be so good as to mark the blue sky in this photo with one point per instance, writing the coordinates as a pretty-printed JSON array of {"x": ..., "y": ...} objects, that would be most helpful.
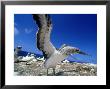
[{"x": 78, "y": 30}]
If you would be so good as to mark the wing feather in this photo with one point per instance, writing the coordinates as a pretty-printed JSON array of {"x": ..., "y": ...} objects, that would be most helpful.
[{"x": 43, "y": 36}]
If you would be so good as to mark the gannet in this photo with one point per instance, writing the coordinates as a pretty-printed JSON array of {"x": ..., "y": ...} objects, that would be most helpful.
[{"x": 52, "y": 55}]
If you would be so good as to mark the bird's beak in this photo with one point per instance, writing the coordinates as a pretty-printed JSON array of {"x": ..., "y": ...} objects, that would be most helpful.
[{"x": 83, "y": 53}]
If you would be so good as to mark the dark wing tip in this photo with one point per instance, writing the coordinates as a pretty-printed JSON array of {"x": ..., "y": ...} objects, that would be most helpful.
[{"x": 37, "y": 19}]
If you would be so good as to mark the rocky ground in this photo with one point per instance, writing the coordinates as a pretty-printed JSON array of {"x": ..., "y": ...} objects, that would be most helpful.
[{"x": 36, "y": 68}]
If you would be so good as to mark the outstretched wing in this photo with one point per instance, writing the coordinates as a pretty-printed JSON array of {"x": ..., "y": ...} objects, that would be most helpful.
[{"x": 43, "y": 36}]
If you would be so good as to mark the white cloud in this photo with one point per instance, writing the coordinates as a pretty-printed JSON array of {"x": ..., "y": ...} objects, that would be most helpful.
[
  {"x": 27, "y": 31},
  {"x": 16, "y": 32}
]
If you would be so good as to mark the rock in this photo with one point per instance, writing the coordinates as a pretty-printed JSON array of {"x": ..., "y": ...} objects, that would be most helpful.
[{"x": 36, "y": 68}]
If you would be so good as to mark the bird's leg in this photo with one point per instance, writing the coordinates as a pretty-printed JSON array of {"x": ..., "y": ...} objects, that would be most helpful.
[
  {"x": 47, "y": 72},
  {"x": 53, "y": 71}
]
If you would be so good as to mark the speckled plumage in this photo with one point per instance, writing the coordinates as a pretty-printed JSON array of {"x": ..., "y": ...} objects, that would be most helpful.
[{"x": 51, "y": 54}]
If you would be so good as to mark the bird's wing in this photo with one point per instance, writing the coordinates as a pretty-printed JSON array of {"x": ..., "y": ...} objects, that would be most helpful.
[{"x": 43, "y": 36}]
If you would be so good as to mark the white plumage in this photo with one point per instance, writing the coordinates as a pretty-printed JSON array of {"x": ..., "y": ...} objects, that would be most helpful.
[
  {"x": 51, "y": 54},
  {"x": 54, "y": 59}
]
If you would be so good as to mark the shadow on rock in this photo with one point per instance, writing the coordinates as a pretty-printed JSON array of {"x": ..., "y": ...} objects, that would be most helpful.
[{"x": 59, "y": 73}]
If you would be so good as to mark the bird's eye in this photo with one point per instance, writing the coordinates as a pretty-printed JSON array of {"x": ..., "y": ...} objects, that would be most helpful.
[{"x": 77, "y": 49}]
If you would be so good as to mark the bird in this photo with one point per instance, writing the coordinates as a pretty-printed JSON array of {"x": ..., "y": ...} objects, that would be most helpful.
[{"x": 52, "y": 55}]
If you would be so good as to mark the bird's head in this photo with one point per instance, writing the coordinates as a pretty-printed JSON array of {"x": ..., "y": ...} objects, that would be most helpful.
[
  {"x": 69, "y": 50},
  {"x": 78, "y": 51}
]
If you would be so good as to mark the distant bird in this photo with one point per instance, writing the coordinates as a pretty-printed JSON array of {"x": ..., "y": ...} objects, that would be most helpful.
[{"x": 52, "y": 55}]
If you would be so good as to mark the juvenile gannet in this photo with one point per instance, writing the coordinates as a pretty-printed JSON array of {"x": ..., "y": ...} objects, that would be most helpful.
[{"x": 52, "y": 55}]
